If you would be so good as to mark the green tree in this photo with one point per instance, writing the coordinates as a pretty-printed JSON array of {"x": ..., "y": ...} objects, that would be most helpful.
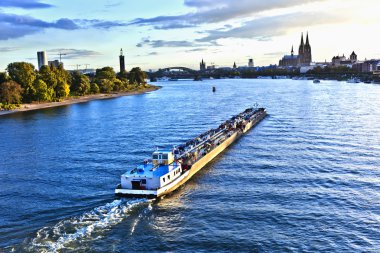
[
  {"x": 23, "y": 73},
  {"x": 80, "y": 84},
  {"x": 63, "y": 77},
  {"x": 94, "y": 88},
  {"x": 118, "y": 85},
  {"x": 105, "y": 73},
  {"x": 48, "y": 75},
  {"x": 43, "y": 92},
  {"x": 10, "y": 93},
  {"x": 123, "y": 76},
  {"x": 105, "y": 78},
  {"x": 62, "y": 90},
  {"x": 105, "y": 85},
  {"x": 137, "y": 76},
  {"x": 3, "y": 77}
]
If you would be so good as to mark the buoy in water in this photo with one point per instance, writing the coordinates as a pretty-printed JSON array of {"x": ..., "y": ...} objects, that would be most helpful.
[{"x": 213, "y": 89}]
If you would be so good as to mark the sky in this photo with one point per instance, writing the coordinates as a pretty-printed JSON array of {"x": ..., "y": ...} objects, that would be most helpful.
[{"x": 167, "y": 33}]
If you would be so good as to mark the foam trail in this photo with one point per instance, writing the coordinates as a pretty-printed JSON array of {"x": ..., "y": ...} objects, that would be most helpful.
[{"x": 83, "y": 228}]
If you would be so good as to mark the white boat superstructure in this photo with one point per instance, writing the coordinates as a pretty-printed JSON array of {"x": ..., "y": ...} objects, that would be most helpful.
[
  {"x": 168, "y": 169},
  {"x": 353, "y": 80}
]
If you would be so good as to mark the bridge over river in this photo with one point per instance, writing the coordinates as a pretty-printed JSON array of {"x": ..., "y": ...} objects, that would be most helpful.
[{"x": 175, "y": 72}]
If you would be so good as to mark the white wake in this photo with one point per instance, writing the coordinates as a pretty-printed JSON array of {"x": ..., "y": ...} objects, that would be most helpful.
[{"x": 86, "y": 227}]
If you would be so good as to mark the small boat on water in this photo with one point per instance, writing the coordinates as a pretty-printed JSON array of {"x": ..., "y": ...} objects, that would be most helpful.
[
  {"x": 171, "y": 168},
  {"x": 213, "y": 88},
  {"x": 163, "y": 79},
  {"x": 316, "y": 81},
  {"x": 353, "y": 80}
]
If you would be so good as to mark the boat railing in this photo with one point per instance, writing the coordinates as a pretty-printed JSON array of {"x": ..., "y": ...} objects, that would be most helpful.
[
  {"x": 241, "y": 117},
  {"x": 213, "y": 137},
  {"x": 250, "y": 113}
]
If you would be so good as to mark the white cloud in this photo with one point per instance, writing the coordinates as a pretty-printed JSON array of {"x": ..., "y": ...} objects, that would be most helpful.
[
  {"x": 208, "y": 11},
  {"x": 267, "y": 27}
]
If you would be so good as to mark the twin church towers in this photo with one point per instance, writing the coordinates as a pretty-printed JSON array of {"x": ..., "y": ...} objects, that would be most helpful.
[{"x": 302, "y": 59}]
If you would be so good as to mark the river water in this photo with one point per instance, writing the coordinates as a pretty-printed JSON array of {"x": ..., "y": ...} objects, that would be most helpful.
[{"x": 307, "y": 178}]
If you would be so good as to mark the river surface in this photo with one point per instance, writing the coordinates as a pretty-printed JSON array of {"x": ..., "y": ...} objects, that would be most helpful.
[{"x": 306, "y": 179}]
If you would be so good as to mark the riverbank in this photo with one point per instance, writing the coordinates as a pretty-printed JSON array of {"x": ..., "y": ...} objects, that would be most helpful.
[{"x": 76, "y": 100}]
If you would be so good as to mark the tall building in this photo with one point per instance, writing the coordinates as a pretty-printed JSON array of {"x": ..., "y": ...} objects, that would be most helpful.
[
  {"x": 42, "y": 59},
  {"x": 202, "y": 66},
  {"x": 54, "y": 64},
  {"x": 302, "y": 59},
  {"x": 122, "y": 62},
  {"x": 250, "y": 63},
  {"x": 234, "y": 66}
]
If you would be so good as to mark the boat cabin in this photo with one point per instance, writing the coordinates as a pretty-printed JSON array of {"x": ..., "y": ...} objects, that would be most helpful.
[
  {"x": 162, "y": 157},
  {"x": 162, "y": 171}
]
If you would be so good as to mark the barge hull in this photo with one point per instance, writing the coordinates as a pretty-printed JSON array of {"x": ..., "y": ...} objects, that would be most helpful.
[{"x": 197, "y": 166}]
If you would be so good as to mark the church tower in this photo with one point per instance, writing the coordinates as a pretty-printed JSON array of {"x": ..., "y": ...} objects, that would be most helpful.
[
  {"x": 122, "y": 62},
  {"x": 307, "y": 52},
  {"x": 301, "y": 50},
  {"x": 202, "y": 66},
  {"x": 353, "y": 57}
]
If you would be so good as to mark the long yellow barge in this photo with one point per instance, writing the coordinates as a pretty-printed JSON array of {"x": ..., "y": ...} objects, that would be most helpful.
[{"x": 170, "y": 169}]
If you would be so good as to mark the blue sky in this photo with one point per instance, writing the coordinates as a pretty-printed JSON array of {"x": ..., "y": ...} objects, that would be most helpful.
[{"x": 163, "y": 33}]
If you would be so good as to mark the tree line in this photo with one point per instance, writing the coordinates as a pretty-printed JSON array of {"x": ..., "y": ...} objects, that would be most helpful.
[{"x": 23, "y": 84}]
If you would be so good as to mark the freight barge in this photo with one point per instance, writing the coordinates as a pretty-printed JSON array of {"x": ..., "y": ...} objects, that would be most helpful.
[{"x": 169, "y": 169}]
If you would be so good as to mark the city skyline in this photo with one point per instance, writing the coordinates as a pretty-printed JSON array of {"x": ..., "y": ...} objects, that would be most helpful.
[{"x": 181, "y": 33}]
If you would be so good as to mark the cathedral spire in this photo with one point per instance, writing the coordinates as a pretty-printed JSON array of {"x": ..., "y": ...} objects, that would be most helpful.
[
  {"x": 292, "y": 51},
  {"x": 307, "y": 38},
  {"x": 302, "y": 40}
]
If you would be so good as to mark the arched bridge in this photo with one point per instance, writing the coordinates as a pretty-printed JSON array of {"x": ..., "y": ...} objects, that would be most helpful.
[
  {"x": 174, "y": 72},
  {"x": 179, "y": 68}
]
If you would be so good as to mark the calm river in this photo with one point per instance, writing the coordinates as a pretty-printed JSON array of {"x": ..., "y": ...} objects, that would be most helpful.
[{"x": 306, "y": 179}]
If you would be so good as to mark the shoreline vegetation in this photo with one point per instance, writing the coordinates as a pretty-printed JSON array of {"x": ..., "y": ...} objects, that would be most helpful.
[
  {"x": 77, "y": 100},
  {"x": 23, "y": 88}
]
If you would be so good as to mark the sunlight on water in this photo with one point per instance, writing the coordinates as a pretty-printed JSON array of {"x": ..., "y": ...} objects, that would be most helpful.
[{"x": 136, "y": 221}]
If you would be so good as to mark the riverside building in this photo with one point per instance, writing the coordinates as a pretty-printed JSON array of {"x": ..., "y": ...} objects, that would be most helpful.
[
  {"x": 302, "y": 59},
  {"x": 42, "y": 59}
]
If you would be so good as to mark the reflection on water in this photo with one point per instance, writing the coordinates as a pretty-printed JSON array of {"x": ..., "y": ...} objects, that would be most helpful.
[{"x": 305, "y": 179}]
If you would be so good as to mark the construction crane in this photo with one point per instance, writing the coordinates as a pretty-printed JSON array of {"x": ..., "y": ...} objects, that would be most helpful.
[
  {"x": 60, "y": 57},
  {"x": 75, "y": 65}
]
